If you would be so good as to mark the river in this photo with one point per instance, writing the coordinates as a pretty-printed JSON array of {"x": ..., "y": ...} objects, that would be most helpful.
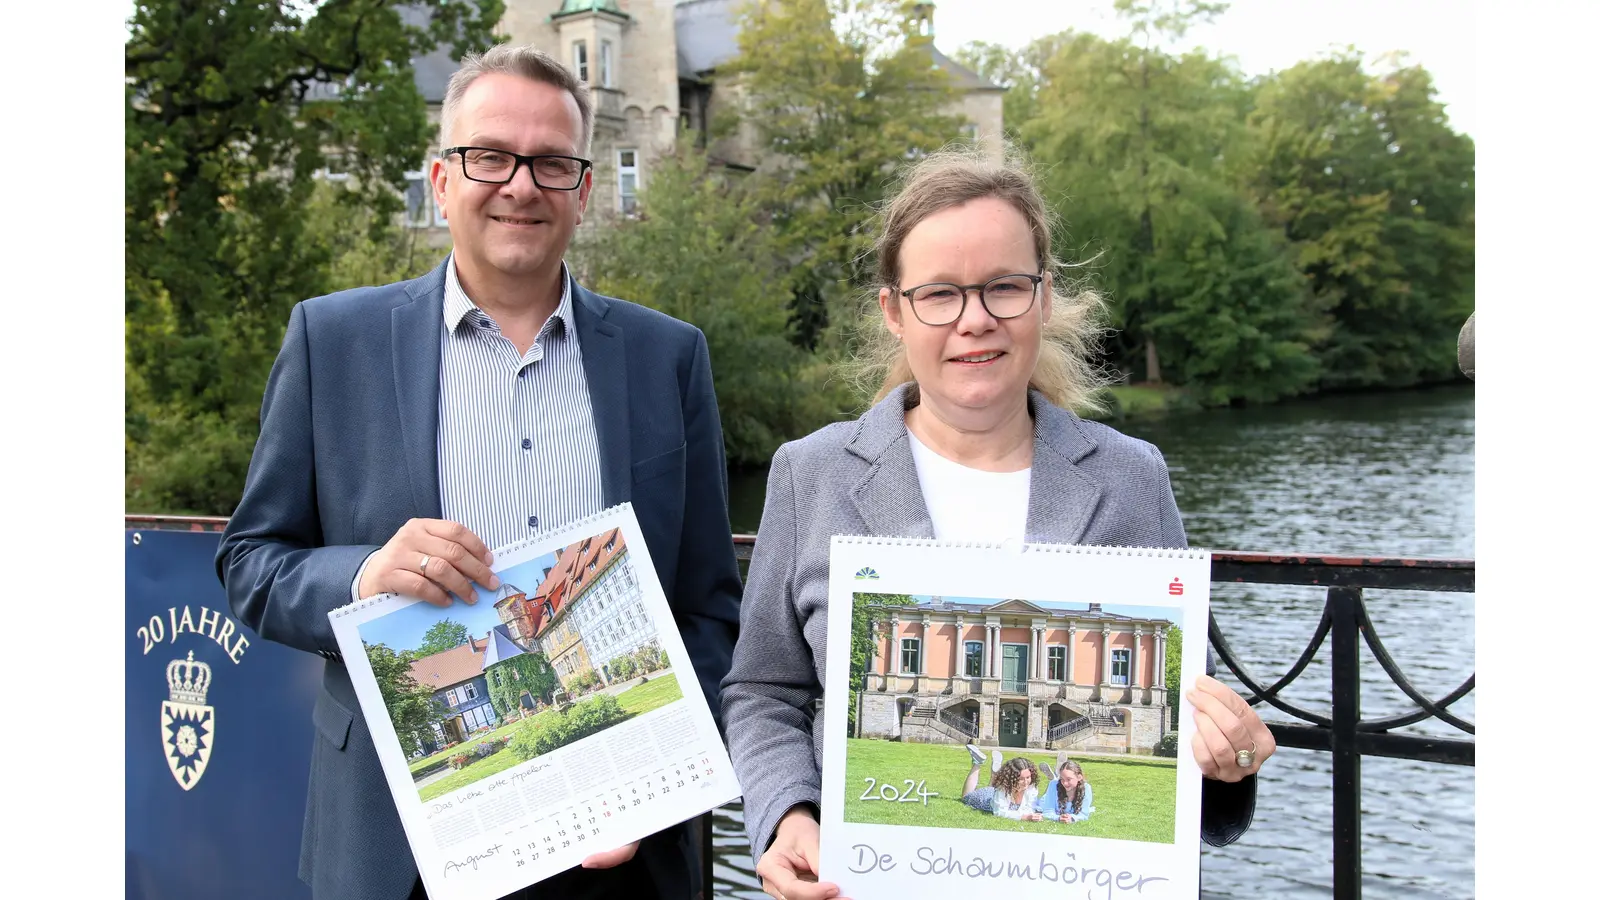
[{"x": 1376, "y": 474}]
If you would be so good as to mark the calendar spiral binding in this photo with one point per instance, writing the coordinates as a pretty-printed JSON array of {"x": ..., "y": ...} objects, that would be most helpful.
[
  {"x": 537, "y": 537},
  {"x": 1069, "y": 549}
]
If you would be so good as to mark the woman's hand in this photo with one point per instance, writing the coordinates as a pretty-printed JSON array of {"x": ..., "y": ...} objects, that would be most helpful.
[
  {"x": 1225, "y": 725},
  {"x": 788, "y": 870}
]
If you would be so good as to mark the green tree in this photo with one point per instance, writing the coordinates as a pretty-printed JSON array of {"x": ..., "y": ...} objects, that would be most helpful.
[
  {"x": 1202, "y": 293},
  {"x": 410, "y": 704},
  {"x": 838, "y": 94},
  {"x": 233, "y": 107},
  {"x": 1174, "y": 670},
  {"x": 441, "y": 636},
  {"x": 1019, "y": 71},
  {"x": 704, "y": 251},
  {"x": 862, "y": 618},
  {"x": 1364, "y": 176}
]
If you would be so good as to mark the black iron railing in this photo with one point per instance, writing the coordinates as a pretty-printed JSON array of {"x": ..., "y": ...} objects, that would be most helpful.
[
  {"x": 1339, "y": 730},
  {"x": 959, "y": 722},
  {"x": 1069, "y": 729}
]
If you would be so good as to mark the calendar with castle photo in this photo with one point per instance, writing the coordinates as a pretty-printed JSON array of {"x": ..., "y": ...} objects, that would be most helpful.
[
  {"x": 1012, "y": 715},
  {"x": 556, "y": 717}
]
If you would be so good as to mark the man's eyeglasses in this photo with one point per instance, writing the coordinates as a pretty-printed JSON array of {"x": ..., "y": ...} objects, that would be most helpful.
[
  {"x": 1005, "y": 297},
  {"x": 492, "y": 166}
]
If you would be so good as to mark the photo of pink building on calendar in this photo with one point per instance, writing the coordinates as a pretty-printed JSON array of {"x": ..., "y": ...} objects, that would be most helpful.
[
  {"x": 556, "y": 717},
  {"x": 1013, "y": 714}
]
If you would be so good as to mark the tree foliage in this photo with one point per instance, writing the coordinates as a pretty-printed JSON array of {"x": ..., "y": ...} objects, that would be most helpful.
[
  {"x": 410, "y": 704},
  {"x": 861, "y": 643},
  {"x": 233, "y": 107},
  {"x": 838, "y": 94},
  {"x": 1202, "y": 293},
  {"x": 704, "y": 250},
  {"x": 1174, "y": 671},
  {"x": 443, "y": 635},
  {"x": 1375, "y": 192}
]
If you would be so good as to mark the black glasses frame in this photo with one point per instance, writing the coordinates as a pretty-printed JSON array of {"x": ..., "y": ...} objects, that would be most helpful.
[
  {"x": 518, "y": 161},
  {"x": 967, "y": 289}
]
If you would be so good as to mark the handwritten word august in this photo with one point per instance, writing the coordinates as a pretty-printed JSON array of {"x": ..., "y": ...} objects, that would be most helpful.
[
  {"x": 212, "y": 624},
  {"x": 471, "y": 862},
  {"x": 928, "y": 862},
  {"x": 914, "y": 791}
]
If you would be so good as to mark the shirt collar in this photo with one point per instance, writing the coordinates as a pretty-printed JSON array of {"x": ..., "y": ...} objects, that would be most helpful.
[{"x": 458, "y": 306}]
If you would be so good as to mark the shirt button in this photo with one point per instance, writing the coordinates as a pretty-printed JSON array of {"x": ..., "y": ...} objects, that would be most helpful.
[
  {"x": 527, "y": 444},
  {"x": 533, "y": 521}
]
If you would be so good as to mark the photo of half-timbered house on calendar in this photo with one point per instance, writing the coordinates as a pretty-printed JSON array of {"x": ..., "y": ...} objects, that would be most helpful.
[{"x": 1015, "y": 673}]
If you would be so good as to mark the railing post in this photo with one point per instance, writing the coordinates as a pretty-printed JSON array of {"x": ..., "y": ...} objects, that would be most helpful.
[{"x": 1344, "y": 603}]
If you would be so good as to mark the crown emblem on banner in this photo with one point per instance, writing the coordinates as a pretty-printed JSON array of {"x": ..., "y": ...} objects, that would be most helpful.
[{"x": 188, "y": 681}]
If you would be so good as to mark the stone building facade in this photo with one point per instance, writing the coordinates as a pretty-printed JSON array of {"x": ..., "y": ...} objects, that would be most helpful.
[
  {"x": 1015, "y": 674},
  {"x": 649, "y": 67}
]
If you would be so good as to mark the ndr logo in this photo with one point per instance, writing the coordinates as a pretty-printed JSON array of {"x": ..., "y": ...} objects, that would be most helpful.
[{"x": 866, "y": 573}]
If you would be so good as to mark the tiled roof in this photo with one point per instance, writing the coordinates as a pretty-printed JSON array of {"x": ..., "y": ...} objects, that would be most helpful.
[
  {"x": 577, "y": 565},
  {"x": 449, "y": 668}
]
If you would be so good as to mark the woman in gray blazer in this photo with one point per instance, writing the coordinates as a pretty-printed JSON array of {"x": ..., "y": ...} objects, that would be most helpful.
[{"x": 982, "y": 355}]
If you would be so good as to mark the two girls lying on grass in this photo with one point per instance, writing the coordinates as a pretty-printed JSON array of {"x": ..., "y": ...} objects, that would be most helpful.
[{"x": 1013, "y": 789}]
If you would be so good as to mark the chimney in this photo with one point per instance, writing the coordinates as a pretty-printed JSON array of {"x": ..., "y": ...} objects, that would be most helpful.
[{"x": 1094, "y": 607}]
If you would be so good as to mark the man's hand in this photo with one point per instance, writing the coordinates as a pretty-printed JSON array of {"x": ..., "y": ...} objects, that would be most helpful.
[
  {"x": 431, "y": 559},
  {"x": 611, "y": 858},
  {"x": 788, "y": 869},
  {"x": 1224, "y": 725}
]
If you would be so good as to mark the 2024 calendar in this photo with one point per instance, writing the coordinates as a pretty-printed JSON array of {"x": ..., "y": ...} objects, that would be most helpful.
[
  {"x": 1011, "y": 720},
  {"x": 556, "y": 717}
]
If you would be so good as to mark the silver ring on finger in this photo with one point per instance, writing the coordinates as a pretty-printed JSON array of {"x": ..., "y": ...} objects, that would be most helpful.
[
  {"x": 1246, "y": 758},
  {"x": 423, "y": 569}
]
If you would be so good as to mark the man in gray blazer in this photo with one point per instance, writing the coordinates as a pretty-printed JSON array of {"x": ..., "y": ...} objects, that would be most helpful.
[{"x": 409, "y": 428}]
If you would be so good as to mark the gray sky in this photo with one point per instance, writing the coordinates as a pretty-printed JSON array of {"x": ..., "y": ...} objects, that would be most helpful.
[{"x": 1263, "y": 35}]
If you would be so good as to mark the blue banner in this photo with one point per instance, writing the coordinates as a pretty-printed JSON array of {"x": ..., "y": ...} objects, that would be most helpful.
[{"x": 218, "y": 734}]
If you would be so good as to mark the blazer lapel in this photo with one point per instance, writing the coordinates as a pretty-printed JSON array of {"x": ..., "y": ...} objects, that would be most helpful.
[
  {"x": 889, "y": 496},
  {"x": 1061, "y": 497},
  {"x": 415, "y": 328},
  {"x": 605, "y": 367}
]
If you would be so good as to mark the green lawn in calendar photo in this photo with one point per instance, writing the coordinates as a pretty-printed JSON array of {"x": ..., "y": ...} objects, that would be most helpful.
[
  {"x": 635, "y": 701},
  {"x": 1135, "y": 797}
]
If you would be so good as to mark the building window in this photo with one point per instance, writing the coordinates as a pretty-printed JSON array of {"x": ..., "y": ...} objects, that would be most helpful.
[
  {"x": 1057, "y": 657},
  {"x": 580, "y": 59},
  {"x": 974, "y": 664},
  {"x": 628, "y": 181},
  {"x": 1119, "y": 667},
  {"x": 605, "y": 64},
  {"x": 419, "y": 205},
  {"x": 911, "y": 655},
  {"x": 470, "y": 690}
]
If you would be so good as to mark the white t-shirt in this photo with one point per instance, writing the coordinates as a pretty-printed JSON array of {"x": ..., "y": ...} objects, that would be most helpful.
[{"x": 970, "y": 504}]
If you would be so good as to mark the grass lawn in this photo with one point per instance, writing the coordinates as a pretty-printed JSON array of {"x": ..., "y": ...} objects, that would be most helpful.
[
  {"x": 653, "y": 694},
  {"x": 1134, "y": 797},
  {"x": 505, "y": 730}
]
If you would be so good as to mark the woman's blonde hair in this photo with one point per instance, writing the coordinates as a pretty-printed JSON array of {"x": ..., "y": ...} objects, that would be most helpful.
[{"x": 950, "y": 177}]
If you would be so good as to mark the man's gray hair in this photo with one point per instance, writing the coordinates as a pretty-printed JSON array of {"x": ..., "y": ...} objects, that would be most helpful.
[{"x": 523, "y": 60}]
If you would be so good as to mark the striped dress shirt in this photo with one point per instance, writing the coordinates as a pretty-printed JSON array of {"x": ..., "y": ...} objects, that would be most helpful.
[{"x": 518, "y": 452}]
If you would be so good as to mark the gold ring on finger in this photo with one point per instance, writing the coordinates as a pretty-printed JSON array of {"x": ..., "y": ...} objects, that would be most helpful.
[
  {"x": 423, "y": 569},
  {"x": 1246, "y": 758}
]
